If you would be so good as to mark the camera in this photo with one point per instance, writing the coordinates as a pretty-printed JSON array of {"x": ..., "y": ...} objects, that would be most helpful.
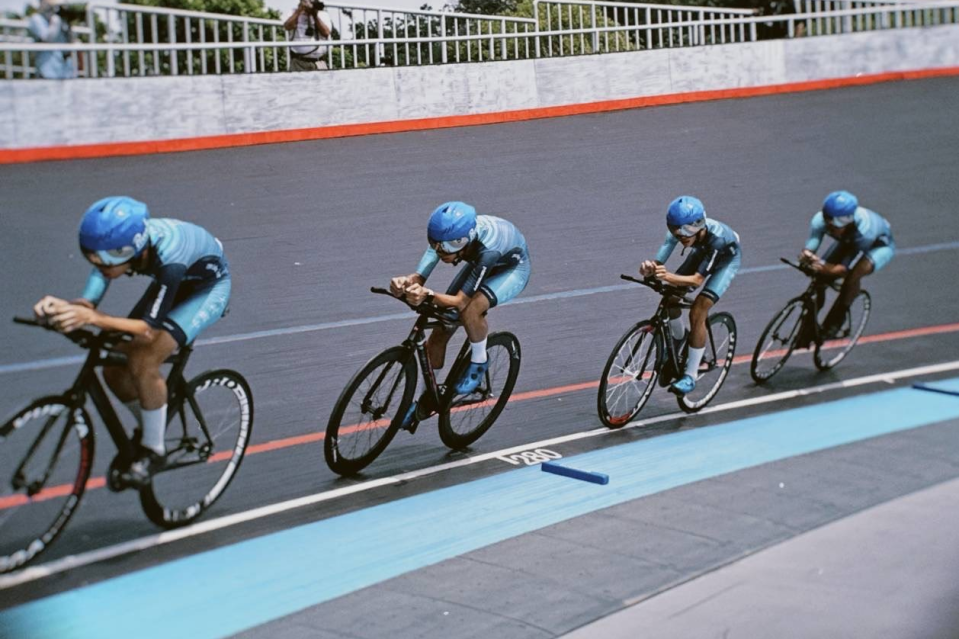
[
  {"x": 71, "y": 12},
  {"x": 318, "y": 5}
]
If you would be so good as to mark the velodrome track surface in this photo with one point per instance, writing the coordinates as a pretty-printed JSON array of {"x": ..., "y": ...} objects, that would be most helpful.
[{"x": 308, "y": 227}]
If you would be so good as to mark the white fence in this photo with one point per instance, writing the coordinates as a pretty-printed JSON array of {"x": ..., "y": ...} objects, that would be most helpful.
[{"x": 152, "y": 41}]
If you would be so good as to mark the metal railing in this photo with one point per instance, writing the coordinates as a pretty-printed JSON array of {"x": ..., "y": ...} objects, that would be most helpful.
[
  {"x": 153, "y": 41},
  {"x": 15, "y": 32},
  {"x": 583, "y": 27},
  {"x": 829, "y": 17}
]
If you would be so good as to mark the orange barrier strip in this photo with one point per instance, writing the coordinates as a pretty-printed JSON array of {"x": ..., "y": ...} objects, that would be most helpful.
[{"x": 37, "y": 154}]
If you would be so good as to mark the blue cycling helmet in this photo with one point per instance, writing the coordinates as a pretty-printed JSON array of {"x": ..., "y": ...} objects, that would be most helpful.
[
  {"x": 452, "y": 227},
  {"x": 114, "y": 230},
  {"x": 686, "y": 215},
  {"x": 839, "y": 207}
]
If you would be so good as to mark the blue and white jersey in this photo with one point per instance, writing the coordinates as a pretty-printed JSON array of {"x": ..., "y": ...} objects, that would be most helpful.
[
  {"x": 178, "y": 253},
  {"x": 870, "y": 229},
  {"x": 719, "y": 245},
  {"x": 498, "y": 245}
]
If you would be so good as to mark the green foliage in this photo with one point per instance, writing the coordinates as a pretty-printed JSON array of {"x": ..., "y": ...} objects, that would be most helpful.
[
  {"x": 222, "y": 61},
  {"x": 244, "y": 8}
]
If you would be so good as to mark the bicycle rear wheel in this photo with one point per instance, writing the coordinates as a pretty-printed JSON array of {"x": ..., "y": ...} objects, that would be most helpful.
[
  {"x": 718, "y": 358},
  {"x": 369, "y": 411},
  {"x": 856, "y": 318},
  {"x": 46, "y": 453},
  {"x": 469, "y": 416},
  {"x": 777, "y": 342},
  {"x": 205, "y": 443},
  {"x": 629, "y": 376}
]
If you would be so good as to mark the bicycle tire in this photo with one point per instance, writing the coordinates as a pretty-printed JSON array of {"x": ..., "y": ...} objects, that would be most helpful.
[
  {"x": 784, "y": 345},
  {"x": 385, "y": 424},
  {"x": 170, "y": 500},
  {"x": 501, "y": 348},
  {"x": 18, "y": 509},
  {"x": 850, "y": 332},
  {"x": 724, "y": 351},
  {"x": 646, "y": 336}
]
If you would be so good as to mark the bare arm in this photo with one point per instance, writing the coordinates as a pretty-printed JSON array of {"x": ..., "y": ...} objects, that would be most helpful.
[
  {"x": 321, "y": 26},
  {"x": 290, "y": 24}
]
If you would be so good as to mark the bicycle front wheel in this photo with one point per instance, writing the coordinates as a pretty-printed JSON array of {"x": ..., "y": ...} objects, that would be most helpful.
[
  {"x": 835, "y": 350},
  {"x": 205, "y": 443},
  {"x": 369, "y": 411},
  {"x": 469, "y": 416},
  {"x": 46, "y": 453},
  {"x": 777, "y": 342},
  {"x": 629, "y": 376},
  {"x": 718, "y": 358}
]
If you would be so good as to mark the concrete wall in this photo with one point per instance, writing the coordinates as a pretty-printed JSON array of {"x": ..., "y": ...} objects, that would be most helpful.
[{"x": 41, "y": 113}]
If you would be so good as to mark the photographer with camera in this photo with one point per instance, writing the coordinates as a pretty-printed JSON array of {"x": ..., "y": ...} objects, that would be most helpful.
[
  {"x": 309, "y": 22},
  {"x": 52, "y": 24}
]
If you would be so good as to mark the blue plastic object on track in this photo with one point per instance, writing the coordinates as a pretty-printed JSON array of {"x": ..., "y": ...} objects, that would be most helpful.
[
  {"x": 936, "y": 389},
  {"x": 584, "y": 475}
]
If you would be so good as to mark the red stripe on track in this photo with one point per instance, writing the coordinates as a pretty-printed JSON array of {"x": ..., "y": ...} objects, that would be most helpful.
[
  {"x": 83, "y": 151},
  {"x": 12, "y": 501}
]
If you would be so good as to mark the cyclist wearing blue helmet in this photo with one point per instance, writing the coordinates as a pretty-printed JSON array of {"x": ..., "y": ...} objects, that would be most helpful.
[
  {"x": 857, "y": 231},
  {"x": 496, "y": 269},
  {"x": 190, "y": 291},
  {"x": 714, "y": 259}
]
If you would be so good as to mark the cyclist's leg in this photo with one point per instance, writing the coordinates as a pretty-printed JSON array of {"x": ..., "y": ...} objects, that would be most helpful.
[
  {"x": 119, "y": 378},
  {"x": 676, "y": 327},
  {"x": 440, "y": 336},
  {"x": 499, "y": 288},
  {"x": 715, "y": 287},
  {"x": 871, "y": 261},
  {"x": 195, "y": 309}
]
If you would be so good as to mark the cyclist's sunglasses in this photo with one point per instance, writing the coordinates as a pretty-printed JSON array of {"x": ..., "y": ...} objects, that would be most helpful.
[
  {"x": 687, "y": 230},
  {"x": 450, "y": 247},
  {"x": 839, "y": 222}
]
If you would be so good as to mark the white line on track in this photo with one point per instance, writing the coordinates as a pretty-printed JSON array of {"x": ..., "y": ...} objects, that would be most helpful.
[
  {"x": 75, "y": 561},
  {"x": 362, "y": 321}
]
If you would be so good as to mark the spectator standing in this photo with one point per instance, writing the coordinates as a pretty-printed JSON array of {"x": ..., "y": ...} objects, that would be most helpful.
[
  {"x": 309, "y": 23},
  {"x": 47, "y": 25}
]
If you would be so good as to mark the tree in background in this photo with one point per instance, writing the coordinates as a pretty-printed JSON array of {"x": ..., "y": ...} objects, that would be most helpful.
[{"x": 211, "y": 32}]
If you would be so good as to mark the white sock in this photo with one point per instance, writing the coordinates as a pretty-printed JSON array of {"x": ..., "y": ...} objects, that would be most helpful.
[
  {"x": 478, "y": 356},
  {"x": 693, "y": 358},
  {"x": 676, "y": 328},
  {"x": 154, "y": 428},
  {"x": 134, "y": 408}
]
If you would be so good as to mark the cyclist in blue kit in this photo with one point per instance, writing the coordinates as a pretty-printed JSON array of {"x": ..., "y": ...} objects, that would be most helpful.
[
  {"x": 858, "y": 232},
  {"x": 496, "y": 269},
  {"x": 714, "y": 259},
  {"x": 190, "y": 291}
]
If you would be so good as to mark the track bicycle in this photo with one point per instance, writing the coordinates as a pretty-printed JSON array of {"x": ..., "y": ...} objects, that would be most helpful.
[
  {"x": 47, "y": 449},
  {"x": 370, "y": 410},
  {"x": 648, "y": 354},
  {"x": 798, "y": 322}
]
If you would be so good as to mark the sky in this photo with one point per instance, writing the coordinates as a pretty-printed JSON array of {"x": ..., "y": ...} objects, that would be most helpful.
[{"x": 285, "y": 6}]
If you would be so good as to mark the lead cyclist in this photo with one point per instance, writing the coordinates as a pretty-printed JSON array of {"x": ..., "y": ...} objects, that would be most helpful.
[
  {"x": 190, "y": 291},
  {"x": 496, "y": 268}
]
